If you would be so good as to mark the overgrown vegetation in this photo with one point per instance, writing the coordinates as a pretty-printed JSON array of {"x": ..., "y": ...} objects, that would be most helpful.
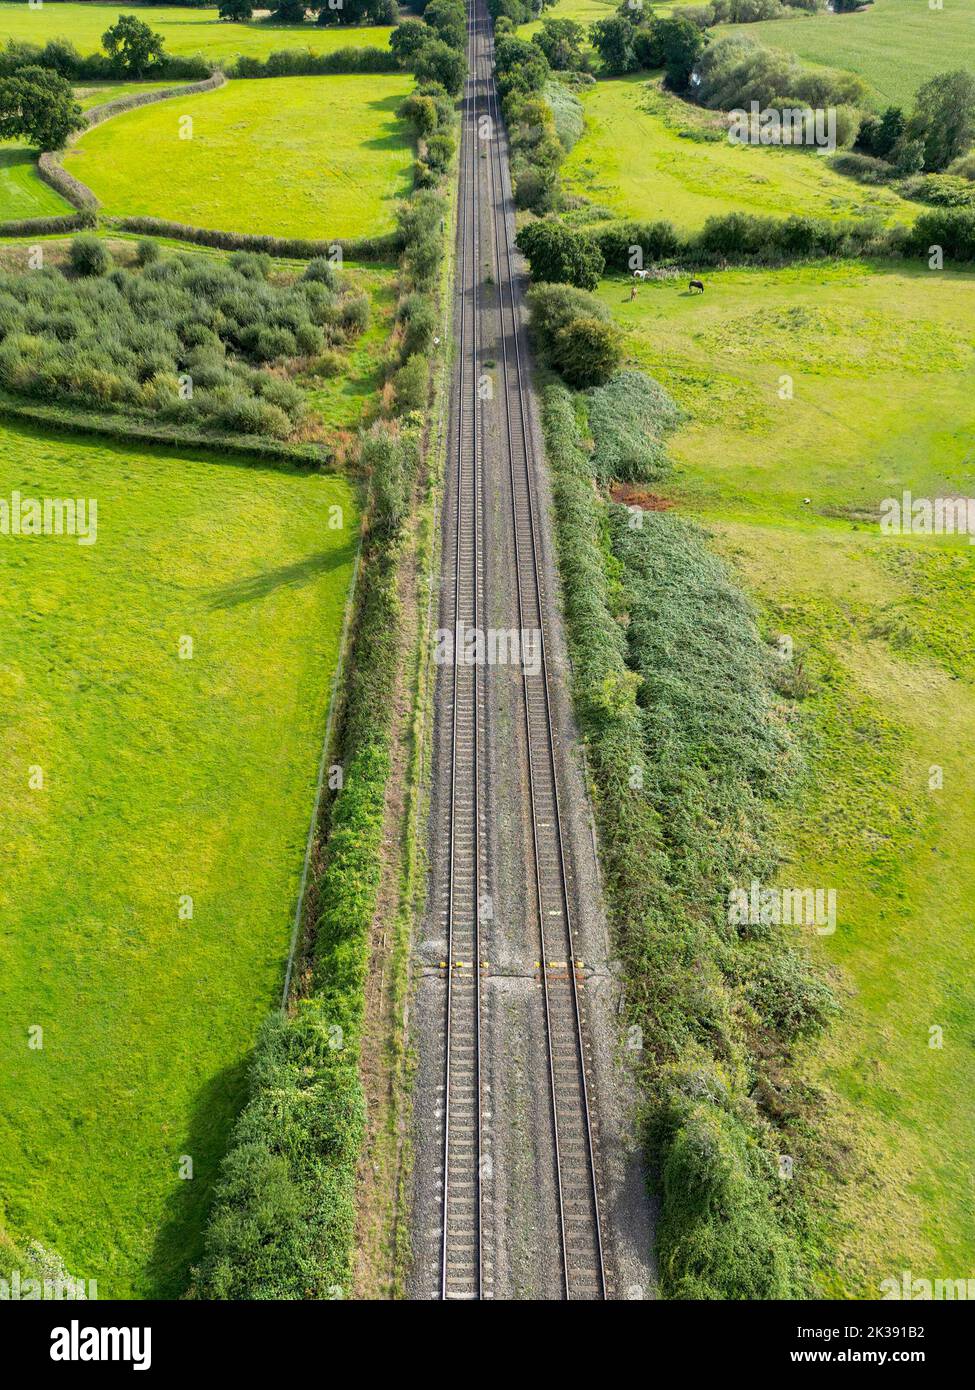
[
  {"x": 688, "y": 744},
  {"x": 182, "y": 339}
]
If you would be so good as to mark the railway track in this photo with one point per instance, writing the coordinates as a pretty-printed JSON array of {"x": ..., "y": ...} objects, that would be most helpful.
[
  {"x": 461, "y": 1245},
  {"x": 485, "y": 196}
]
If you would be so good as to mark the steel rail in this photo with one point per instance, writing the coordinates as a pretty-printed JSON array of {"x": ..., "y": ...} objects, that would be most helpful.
[{"x": 543, "y": 775}]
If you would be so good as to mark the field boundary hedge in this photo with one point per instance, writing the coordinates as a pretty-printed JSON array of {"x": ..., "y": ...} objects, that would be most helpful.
[
  {"x": 49, "y": 226},
  {"x": 376, "y": 248},
  {"x": 52, "y": 172},
  {"x": 300, "y": 62},
  {"x": 129, "y": 431},
  {"x": 97, "y": 114}
]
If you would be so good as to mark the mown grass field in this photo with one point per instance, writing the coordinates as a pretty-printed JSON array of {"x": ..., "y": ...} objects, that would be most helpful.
[
  {"x": 185, "y": 31},
  {"x": 22, "y": 192},
  {"x": 895, "y": 45},
  {"x": 634, "y": 160},
  {"x": 882, "y": 362},
  {"x": 162, "y": 777},
  {"x": 295, "y": 156}
]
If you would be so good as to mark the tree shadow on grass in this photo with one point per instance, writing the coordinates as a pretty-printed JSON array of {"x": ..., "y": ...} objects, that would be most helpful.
[
  {"x": 179, "y": 1240},
  {"x": 259, "y": 586}
]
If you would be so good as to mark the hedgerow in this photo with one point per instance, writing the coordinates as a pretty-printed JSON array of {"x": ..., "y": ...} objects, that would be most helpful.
[
  {"x": 688, "y": 747},
  {"x": 52, "y": 172},
  {"x": 48, "y": 226},
  {"x": 742, "y": 238},
  {"x": 62, "y": 57},
  {"x": 300, "y": 62},
  {"x": 377, "y": 248}
]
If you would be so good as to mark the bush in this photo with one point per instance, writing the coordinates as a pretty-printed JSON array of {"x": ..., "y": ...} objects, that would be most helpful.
[
  {"x": 863, "y": 167},
  {"x": 552, "y": 308},
  {"x": 559, "y": 255},
  {"x": 146, "y": 251},
  {"x": 89, "y": 255},
  {"x": 736, "y": 70},
  {"x": 419, "y": 318},
  {"x": 632, "y": 245},
  {"x": 587, "y": 351},
  {"x": 411, "y": 384}
]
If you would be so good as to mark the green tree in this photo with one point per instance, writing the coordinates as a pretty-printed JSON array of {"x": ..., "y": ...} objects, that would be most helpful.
[
  {"x": 38, "y": 106},
  {"x": 561, "y": 256},
  {"x": 449, "y": 19},
  {"x": 613, "y": 40},
  {"x": 290, "y": 11},
  {"x": 561, "y": 41},
  {"x": 236, "y": 10},
  {"x": 587, "y": 351},
  {"x": 521, "y": 67},
  {"x": 438, "y": 62},
  {"x": 408, "y": 38},
  {"x": 944, "y": 117},
  {"x": 681, "y": 43},
  {"x": 132, "y": 45}
]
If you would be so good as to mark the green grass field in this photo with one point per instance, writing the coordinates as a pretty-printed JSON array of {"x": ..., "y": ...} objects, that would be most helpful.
[
  {"x": 895, "y": 45},
  {"x": 883, "y": 368},
  {"x": 292, "y": 156},
  {"x": 22, "y": 192},
  {"x": 634, "y": 160},
  {"x": 185, "y": 31},
  {"x": 162, "y": 777}
]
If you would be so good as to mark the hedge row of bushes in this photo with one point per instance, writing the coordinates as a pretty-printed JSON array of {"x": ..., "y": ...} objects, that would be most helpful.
[
  {"x": 62, "y": 57},
  {"x": 741, "y": 237},
  {"x": 375, "y": 248},
  {"x": 300, "y": 62},
  {"x": 49, "y": 226},
  {"x": 683, "y": 763},
  {"x": 168, "y": 434},
  {"x": 97, "y": 114},
  {"x": 283, "y": 1221},
  {"x": 52, "y": 172}
]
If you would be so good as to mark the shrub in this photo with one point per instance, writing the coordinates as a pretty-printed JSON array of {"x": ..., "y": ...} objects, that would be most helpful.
[
  {"x": 553, "y": 307},
  {"x": 631, "y": 245},
  {"x": 630, "y": 416},
  {"x": 89, "y": 255},
  {"x": 419, "y": 318},
  {"x": 559, "y": 255},
  {"x": 587, "y": 351},
  {"x": 146, "y": 251},
  {"x": 411, "y": 384},
  {"x": 321, "y": 270}
]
